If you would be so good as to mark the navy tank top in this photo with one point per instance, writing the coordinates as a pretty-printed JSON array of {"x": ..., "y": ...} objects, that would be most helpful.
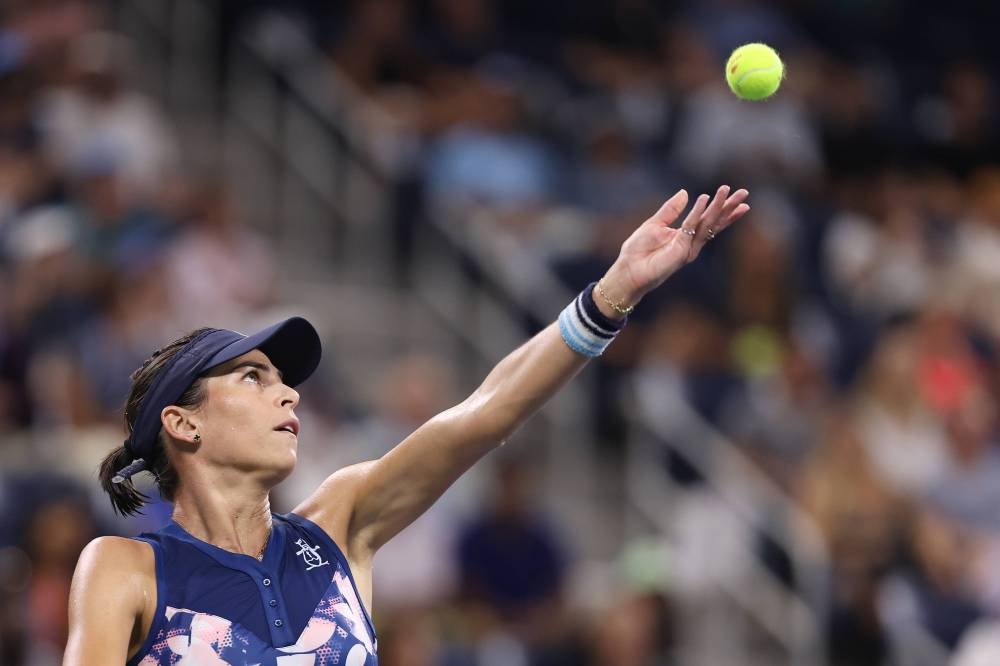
[{"x": 298, "y": 606}]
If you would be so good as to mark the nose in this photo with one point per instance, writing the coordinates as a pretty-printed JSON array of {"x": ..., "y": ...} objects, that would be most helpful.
[{"x": 289, "y": 396}]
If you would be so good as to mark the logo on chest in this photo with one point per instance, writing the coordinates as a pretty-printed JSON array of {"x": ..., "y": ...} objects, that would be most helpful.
[{"x": 310, "y": 555}]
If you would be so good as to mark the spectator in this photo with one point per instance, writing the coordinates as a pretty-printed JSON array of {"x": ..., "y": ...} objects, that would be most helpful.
[
  {"x": 416, "y": 568},
  {"x": 935, "y": 591},
  {"x": 55, "y": 532},
  {"x": 217, "y": 243},
  {"x": 98, "y": 114},
  {"x": 859, "y": 528},
  {"x": 509, "y": 558},
  {"x": 971, "y": 485},
  {"x": 901, "y": 435}
]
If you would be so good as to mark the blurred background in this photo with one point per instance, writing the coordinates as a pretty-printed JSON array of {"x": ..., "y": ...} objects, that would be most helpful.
[{"x": 790, "y": 456}]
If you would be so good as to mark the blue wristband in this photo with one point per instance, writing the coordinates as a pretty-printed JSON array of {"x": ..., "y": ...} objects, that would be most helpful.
[{"x": 584, "y": 328}]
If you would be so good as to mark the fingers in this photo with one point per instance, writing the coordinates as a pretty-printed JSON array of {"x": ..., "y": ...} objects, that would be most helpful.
[
  {"x": 719, "y": 201},
  {"x": 723, "y": 211},
  {"x": 734, "y": 209},
  {"x": 716, "y": 213},
  {"x": 690, "y": 224},
  {"x": 672, "y": 208},
  {"x": 737, "y": 213}
]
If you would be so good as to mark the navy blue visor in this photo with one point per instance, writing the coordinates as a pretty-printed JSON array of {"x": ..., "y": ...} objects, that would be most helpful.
[{"x": 292, "y": 345}]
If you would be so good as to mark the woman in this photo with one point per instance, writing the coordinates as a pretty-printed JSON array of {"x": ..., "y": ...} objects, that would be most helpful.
[{"x": 212, "y": 417}]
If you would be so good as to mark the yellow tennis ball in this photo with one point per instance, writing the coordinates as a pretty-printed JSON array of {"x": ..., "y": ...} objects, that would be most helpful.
[{"x": 754, "y": 71}]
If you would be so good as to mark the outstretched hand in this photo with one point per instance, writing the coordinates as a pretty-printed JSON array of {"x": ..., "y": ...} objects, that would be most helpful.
[{"x": 657, "y": 249}]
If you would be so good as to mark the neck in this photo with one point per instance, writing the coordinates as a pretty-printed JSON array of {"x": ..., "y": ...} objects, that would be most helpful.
[{"x": 236, "y": 521}]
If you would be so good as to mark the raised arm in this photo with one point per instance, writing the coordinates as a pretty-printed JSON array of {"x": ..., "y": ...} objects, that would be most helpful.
[
  {"x": 111, "y": 602},
  {"x": 376, "y": 500}
]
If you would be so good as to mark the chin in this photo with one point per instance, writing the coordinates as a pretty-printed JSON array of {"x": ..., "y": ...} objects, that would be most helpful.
[
  {"x": 286, "y": 465},
  {"x": 277, "y": 468}
]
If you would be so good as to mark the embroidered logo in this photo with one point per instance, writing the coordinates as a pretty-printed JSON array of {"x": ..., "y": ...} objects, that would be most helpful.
[{"x": 310, "y": 555}]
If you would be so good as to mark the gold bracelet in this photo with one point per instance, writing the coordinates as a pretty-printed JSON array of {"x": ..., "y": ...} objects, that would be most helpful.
[{"x": 617, "y": 307}]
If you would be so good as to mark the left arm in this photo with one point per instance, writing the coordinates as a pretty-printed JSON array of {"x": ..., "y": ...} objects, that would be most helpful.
[{"x": 374, "y": 501}]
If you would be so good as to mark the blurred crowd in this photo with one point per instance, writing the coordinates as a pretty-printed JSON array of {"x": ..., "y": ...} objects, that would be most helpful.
[
  {"x": 845, "y": 336},
  {"x": 108, "y": 249}
]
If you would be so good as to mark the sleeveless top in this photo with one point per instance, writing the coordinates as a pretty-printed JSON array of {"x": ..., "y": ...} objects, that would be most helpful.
[{"x": 298, "y": 606}]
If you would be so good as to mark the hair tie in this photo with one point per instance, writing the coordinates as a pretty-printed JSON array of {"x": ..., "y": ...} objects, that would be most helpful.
[{"x": 126, "y": 473}]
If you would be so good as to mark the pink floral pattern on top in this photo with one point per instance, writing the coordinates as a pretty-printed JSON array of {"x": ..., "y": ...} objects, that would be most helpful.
[{"x": 336, "y": 635}]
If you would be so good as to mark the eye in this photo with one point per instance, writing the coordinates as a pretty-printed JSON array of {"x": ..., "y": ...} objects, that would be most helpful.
[{"x": 253, "y": 375}]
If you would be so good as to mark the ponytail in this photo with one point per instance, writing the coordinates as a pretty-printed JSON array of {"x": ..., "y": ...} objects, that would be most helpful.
[{"x": 125, "y": 498}]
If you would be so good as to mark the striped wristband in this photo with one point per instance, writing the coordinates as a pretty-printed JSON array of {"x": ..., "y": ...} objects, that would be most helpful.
[{"x": 584, "y": 328}]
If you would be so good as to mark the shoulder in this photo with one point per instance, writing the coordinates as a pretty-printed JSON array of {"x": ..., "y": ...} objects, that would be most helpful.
[
  {"x": 109, "y": 560},
  {"x": 113, "y": 596},
  {"x": 337, "y": 493},
  {"x": 331, "y": 506},
  {"x": 113, "y": 572},
  {"x": 128, "y": 553}
]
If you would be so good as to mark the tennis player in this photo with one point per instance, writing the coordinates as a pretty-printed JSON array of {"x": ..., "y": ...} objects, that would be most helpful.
[{"x": 212, "y": 417}]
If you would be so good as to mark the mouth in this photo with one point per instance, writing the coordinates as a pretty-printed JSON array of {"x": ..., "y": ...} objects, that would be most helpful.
[{"x": 290, "y": 426}]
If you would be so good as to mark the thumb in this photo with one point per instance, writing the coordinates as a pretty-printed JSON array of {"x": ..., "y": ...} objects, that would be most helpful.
[{"x": 672, "y": 208}]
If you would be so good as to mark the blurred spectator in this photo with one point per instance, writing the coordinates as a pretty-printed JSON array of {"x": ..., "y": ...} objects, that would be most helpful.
[
  {"x": 778, "y": 416},
  {"x": 54, "y": 534},
  {"x": 877, "y": 252},
  {"x": 48, "y": 286},
  {"x": 959, "y": 122},
  {"x": 109, "y": 348},
  {"x": 970, "y": 490},
  {"x": 762, "y": 282},
  {"x": 521, "y": 176},
  {"x": 116, "y": 233},
  {"x": 509, "y": 558},
  {"x": 36, "y": 32},
  {"x": 24, "y": 177},
  {"x": 376, "y": 48},
  {"x": 409, "y": 637},
  {"x": 219, "y": 265},
  {"x": 975, "y": 275},
  {"x": 463, "y": 32},
  {"x": 633, "y": 631},
  {"x": 859, "y": 527},
  {"x": 901, "y": 435},
  {"x": 97, "y": 114},
  {"x": 416, "y": 567},
  {"x": 935, "y": 592},
  {"x": 612, "y": 177}
]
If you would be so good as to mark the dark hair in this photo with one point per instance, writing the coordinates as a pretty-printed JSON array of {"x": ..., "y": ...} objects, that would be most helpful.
[{"x": 125, "y": 498}]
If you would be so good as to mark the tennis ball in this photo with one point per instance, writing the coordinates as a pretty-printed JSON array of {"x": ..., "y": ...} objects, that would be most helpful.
[{"x": 754, "y": 71}]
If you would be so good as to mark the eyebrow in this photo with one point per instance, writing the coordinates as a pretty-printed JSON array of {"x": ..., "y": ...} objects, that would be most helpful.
[{"x": 264, "y": 367}]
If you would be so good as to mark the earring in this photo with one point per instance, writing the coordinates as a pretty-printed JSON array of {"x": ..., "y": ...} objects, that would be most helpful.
[{"x": 197, "y": 437}]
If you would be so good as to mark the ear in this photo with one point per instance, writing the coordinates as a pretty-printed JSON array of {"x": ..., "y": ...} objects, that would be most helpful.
[{"x": 179, "y": 423}]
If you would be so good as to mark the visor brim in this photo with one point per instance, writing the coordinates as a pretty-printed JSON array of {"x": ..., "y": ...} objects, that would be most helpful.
[{"x": 292, "y": 345}]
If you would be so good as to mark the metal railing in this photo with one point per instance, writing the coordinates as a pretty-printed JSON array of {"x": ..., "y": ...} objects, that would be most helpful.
[{"x": 664, "y": 422}]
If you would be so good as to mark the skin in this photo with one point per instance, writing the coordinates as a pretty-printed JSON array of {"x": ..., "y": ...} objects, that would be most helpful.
[{"x": 227, "y": 476}]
